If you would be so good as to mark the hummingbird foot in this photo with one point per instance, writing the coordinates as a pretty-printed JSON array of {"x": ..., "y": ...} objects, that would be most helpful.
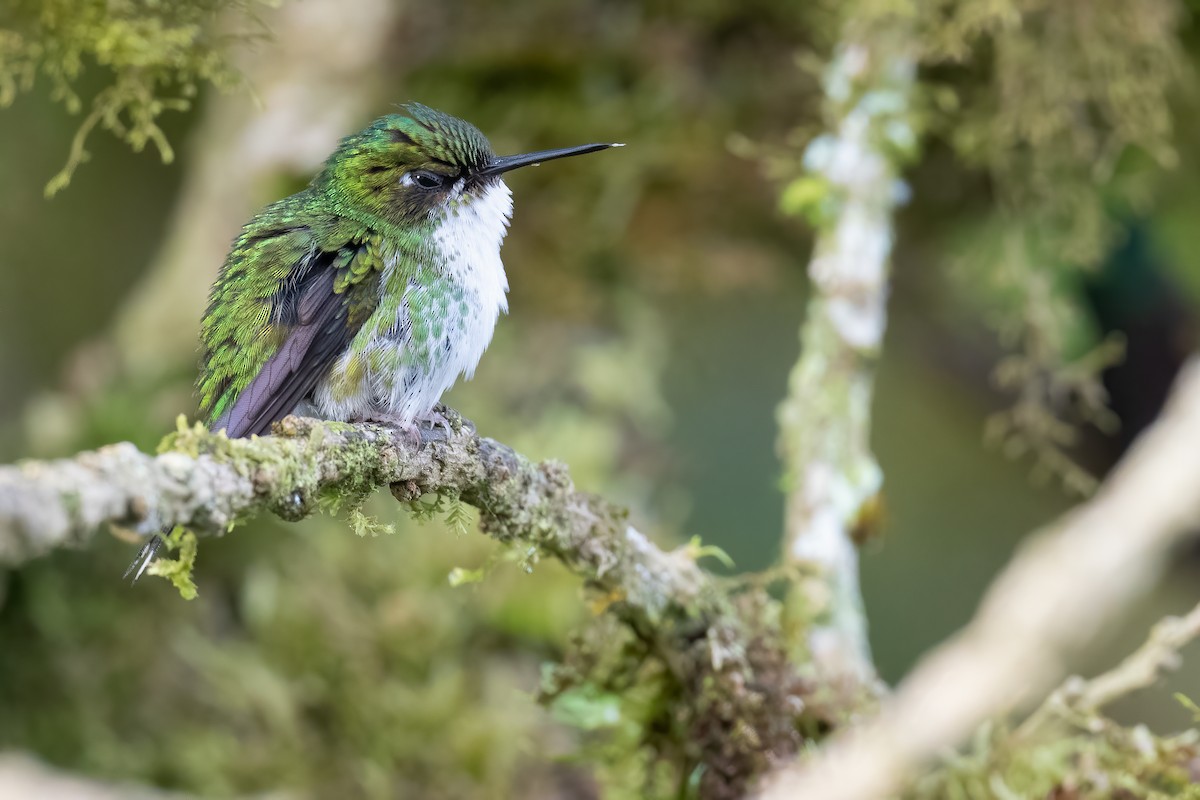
[
  {"x": 145, "y": 557},
  {"x": 412, "y": 430},
  {"x": 446, "y": 418},
  {"x": 437, "y": 424},
  {"x": 440, "y": 416}
]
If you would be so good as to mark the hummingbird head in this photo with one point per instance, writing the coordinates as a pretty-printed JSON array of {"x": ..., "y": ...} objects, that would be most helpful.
[{"x": 422, "y": 165}]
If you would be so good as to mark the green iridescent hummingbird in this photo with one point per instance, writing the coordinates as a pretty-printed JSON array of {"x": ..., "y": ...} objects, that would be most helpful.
[{"x": 366, "y": 295}]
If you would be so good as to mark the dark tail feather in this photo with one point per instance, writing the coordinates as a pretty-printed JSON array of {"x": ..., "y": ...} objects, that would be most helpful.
[{"x": 145, "y": 556}]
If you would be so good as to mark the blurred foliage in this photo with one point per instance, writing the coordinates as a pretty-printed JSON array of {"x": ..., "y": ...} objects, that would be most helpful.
[
  {"x": 1090, "y": 759},
  {"x": 156, "y": 55},
  {"x": 1066, "y": 107},
  {"x": 316, "y": 662}
]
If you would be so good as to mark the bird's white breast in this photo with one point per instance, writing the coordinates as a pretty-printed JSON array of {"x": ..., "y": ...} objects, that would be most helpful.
[
  {"x": 469, "y": 239},
  {"x": 464, "y": 256}
]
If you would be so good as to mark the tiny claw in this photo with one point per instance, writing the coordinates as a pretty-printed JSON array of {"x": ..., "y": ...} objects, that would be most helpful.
[
  {"x": 448, "y": 418},
  {"x": 440, "y": 416},
  {"x": 144, "y": 558}
]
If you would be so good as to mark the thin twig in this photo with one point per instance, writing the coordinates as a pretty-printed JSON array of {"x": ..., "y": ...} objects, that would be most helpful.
[{"x": 1140, "y": 670}]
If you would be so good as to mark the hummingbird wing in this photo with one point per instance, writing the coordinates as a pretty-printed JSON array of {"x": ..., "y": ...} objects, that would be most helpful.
[
  {"x": 289, "y": 299},
  {"x": 318, "y": 335}
]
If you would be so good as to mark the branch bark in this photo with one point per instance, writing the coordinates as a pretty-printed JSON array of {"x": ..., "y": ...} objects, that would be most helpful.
[
  {"x": 207, "y": 481},
  {"x": 834, "y": 480},
  {"x": 1060, "y": 590},
  {"x": 732, "y": 688}
]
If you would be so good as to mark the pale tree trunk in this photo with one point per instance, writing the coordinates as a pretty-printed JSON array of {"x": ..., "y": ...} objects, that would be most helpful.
[{"x": 834, "y": 482}]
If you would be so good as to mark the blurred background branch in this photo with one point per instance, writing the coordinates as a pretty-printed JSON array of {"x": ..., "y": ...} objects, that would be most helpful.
[
  {"x": 1159, "y": 655},
  {"x": 1066, "y": 584},
  {"x": 24, "y": 776},
  {"x": 850, "y": 190}
]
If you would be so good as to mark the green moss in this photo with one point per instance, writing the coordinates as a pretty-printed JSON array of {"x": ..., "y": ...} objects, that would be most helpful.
[
  {"x": 695, "y": 549},
  {"x": 367, "y": 525},
  {"x": 1069, "y": 116},
  {"x": 689, "y": 708},
  {"x": 810, "y": 197},
  {"x": 155, "y": 55},
  {"x": 1094, "y": 760},
  {"x": 178, "y": 570}
]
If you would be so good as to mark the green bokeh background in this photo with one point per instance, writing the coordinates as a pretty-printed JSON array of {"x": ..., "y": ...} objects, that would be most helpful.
[{"x": 657, "y": 294}]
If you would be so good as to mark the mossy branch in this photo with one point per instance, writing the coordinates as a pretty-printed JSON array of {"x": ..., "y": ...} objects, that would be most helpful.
[
  {"x": 207, "y": 482},
  {"x": 850, "y": 189},
  {"x": 737, "y": 700}
]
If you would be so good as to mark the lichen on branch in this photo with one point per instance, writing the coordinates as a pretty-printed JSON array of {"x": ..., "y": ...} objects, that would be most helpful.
[
  {"x": 725, "y": 702},
  {"x": 850, "y": 189}
]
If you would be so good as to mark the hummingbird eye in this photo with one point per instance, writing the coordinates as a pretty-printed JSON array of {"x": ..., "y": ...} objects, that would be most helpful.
[{"x": 427, "y": 180}]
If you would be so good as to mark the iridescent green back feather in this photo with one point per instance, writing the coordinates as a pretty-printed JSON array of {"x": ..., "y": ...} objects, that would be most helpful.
[{"x": 252, "y": 310}]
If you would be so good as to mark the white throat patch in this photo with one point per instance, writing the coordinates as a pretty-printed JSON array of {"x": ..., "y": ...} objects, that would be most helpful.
[{"x": 469, "y": 238}]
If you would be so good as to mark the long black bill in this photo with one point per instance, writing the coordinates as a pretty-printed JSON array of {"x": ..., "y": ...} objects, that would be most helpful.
[{"x": 505, "y": 163}]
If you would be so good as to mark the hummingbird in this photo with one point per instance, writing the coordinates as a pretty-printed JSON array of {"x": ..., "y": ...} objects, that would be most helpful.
[{"x": 368, "y": 293}]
